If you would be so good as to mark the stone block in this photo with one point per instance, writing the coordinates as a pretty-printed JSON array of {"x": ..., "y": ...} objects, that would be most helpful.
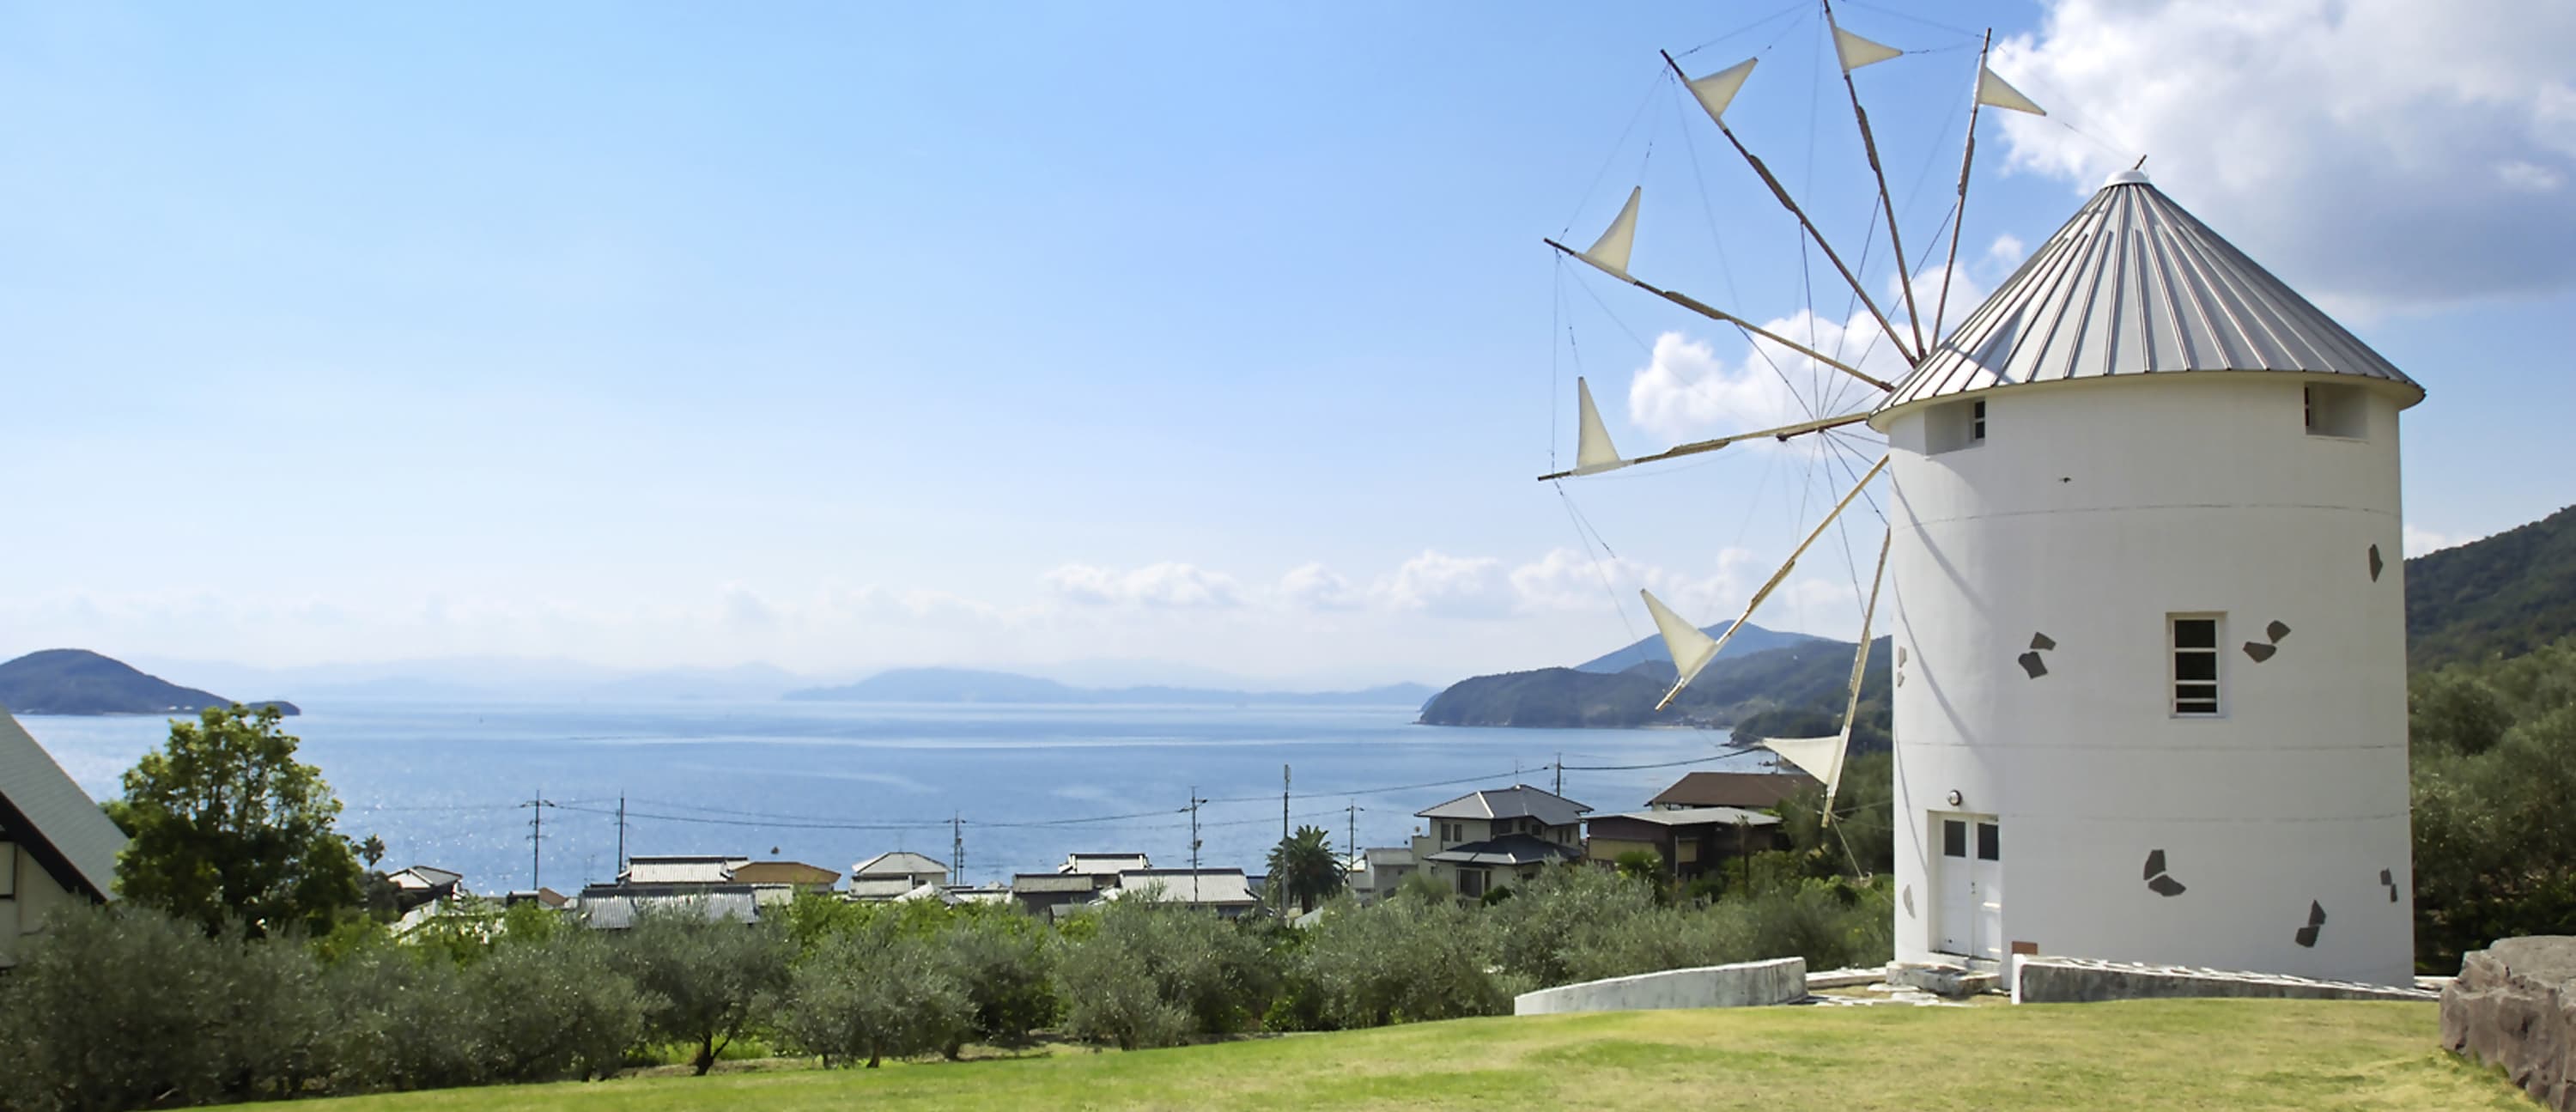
[
  {"x": 2514, "y": 1006},
  {"x": 2049, "y": 980},
  {"x": 1745, "y": 984}
]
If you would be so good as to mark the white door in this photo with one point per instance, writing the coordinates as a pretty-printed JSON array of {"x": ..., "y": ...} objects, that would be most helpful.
[{"x": 1968, "y": 917}]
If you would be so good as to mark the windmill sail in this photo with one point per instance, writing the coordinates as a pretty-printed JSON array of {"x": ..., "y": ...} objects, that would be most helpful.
[
  {"x": 1691, "y": 649},
  {"x": 1855, "y": 51},
  {"x": 1822, "y": 757},
  {"x": 1610, "y": 252},
  {"x": 1994, "y": 91},
  {"x": 1718, "y": 90},
  {"x": 1593, "y": 453}
]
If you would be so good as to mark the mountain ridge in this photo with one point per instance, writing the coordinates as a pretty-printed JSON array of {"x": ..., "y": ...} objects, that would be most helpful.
[
  {"x": 970, "y": 685},
  {"x": 82, "y": 682}
]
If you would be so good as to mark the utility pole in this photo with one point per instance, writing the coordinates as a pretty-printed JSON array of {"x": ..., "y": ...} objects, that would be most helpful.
[
  {"x": 956, "y": 847},
  {"x": 1280, "y": 881},
  {"x": 1194, "y": 842},
  {"x": 1560, "y": 774},
  {"x": 621, "y": 837},
  {"x": 536, "y": 836},
  {"x": 1351, "y": 845}
]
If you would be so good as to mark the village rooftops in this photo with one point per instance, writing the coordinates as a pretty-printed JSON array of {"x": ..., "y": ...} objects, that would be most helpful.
[
  {"x": 1751, "y": 790},
  {"x": 1510, "y": 849},
  {"x": 900, "y": 862},
  {"x": 60, "y": 826},
  {"x": 1051, "y": 882},
  {"x": 611, "y": 908},
  {"x": 1103, "y": 864},
  {"x": 1519, "y": 801}
]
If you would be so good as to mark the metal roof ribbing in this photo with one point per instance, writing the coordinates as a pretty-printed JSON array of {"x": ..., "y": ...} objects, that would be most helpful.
[
  {"x": 2135, "y": 285},
  {"x": 58, "y": 822}
]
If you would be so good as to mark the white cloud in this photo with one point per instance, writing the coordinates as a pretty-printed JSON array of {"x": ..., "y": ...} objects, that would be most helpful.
[
  {"x": 1448, "y": 586},
  {"x": 742, "y": 608},
  {"x": 1315, "y": 587},
  {"x": 2376, "y": 153},
  {"x": 1571, "y": 581},
  {"x": 2006, "y": 252},
  {"x": 1168, "y": 585}
]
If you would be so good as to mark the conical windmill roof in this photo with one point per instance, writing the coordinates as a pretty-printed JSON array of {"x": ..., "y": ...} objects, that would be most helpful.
[{"x": 2134, "y": 285}]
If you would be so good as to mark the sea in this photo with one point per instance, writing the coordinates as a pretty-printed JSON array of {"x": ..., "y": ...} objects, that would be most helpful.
[{"x": 514, "y": 795}]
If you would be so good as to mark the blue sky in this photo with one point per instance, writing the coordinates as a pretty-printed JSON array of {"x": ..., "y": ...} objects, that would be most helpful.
[{"x": 840, "y": 337}]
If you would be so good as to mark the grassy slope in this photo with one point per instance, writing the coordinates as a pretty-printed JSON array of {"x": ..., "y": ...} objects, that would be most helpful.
[{"x": 2151, "y": 1054}]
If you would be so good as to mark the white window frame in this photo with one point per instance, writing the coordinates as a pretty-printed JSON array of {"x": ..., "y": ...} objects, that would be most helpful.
[{"x": 2217, "y": 654}]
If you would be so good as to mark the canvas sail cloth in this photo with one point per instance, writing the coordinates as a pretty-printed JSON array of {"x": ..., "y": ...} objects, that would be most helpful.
[
  {"x": 1854, "y": 51},
  {"x": 1821, "y": 757},
  {"x": 1996, "y": 92},
  {"x": 1593, "y": 453},
  {"x": 1610, "y": 252},
  {"x": 1718, "y": 90}
]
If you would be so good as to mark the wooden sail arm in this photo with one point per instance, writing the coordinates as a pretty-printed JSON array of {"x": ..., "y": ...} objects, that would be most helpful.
[
  {"x": 1713, "y": 313},
  {"x": 1776, "y": 578},
  {"x": 1860, "y": 667},
  {"x": 1887, "y": 202},
  {"x": 1959, "y": 218},
  {"x": 1696, "y": 447},
  {"x": 1781, "y": 192}
]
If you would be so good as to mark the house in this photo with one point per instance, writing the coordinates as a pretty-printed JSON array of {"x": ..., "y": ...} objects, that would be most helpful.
[
  {"x": 680, "y": 870},
  {"x": 1691, "y": 841},
  {"x": 1379, "y": 870},
  {"x": 422, "y": 884},
  {"x": 546, "y": 898},
  {"x": 56, "y": 846},
  {"x": 795, "y": 875},
  {"x": 1103, "y": 865},
  {"x": 1489, "y": 839},
  {"x": 890, "y": 875},
  {"x": 1752, "y": 791},
  {"x": 1228, "y": 892},
  {"x": 613, "y": 907},
  {"x": 1045, "y": 895}
]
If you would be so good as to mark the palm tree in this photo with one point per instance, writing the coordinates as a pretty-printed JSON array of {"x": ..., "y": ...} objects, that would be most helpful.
[{"x": 1306, "y": 865}]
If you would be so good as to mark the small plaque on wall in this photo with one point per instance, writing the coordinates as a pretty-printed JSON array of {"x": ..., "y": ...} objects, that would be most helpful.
[{"x": 2030, "y": 948}]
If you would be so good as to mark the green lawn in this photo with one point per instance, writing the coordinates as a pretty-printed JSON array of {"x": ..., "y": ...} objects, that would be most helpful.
[{"x": 2167, "y": 1054}]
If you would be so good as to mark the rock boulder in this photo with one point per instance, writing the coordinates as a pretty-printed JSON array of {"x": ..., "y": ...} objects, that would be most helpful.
[{"x": 2514, "y": 1005}]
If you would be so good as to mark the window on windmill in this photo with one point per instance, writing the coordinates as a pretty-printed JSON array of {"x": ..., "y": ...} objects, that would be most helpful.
[
  {"x": 2194, "y": 642},
  {"x": 1948, "y": 428},
  {"x": 2334, "y": 410}
]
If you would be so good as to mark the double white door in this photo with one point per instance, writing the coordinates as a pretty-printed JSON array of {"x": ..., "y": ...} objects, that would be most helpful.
[{"x": 1968, "y": 882}]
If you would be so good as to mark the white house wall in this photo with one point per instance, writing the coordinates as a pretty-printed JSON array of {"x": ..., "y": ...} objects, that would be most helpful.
[
  {"x": 2091, "y": 511},
  {"x": 34, "y": 898}
]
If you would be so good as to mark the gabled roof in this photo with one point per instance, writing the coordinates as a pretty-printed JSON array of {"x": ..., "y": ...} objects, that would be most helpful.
[
  {"x": 424, "y": 876},
  {"x": 1696, "y": 816},
  {"x": 680, "y": 870},
  {"x": 1510, "y": 849},
  {"x": 897, "y": 863},
  {"x": 1024, "y": 883},
  {"x": 61, "y": 826},
  {"x": 1514, "y": 802},
  {"x": 1201, "y": 886},
  {"x": 1757, "y": 790},
  {"x": 881, "y": 887},
  {"x": 784, "y": 872},
  {"x": 2134, "y": 285}
]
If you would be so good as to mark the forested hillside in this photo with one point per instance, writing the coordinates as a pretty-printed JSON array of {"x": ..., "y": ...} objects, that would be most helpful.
[{"x": 2499, "y": 597}]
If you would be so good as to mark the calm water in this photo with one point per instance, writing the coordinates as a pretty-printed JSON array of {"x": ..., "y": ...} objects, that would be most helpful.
[{"x": 445, "y": 784}]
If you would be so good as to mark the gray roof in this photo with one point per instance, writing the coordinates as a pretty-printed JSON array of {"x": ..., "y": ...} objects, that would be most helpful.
[
  {"x": 60, "y": 825},
  {"x": 1051, "y": 882},
  {"x": 1203, "y": 886},
  {"x": 604, "y": 908},
  {"x": 898, "y": 863},
  {"x": 1510, "y": 803},
  {"x": 1103, "y": 864},
  {"x": 1510, "y": 849},
  {"x": 881, "y": 888},
  {"x": 2134, "y": 285},
  {"x": 1694, "y": 816}
]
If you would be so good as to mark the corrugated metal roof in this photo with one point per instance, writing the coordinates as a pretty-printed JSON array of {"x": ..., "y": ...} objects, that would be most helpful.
[
  {"x": 1694, "y": 816},
  {"x": 1510, "y": 849},
  {"x": 1103, "y": 864},
  {"x": 1510, "y": 803},
  {"x": 678, "y": 870},
  {"x": 1732, "y": 789},
  {"x": 64, "y": 828},
  {"x": 2134, "y": 285},
  {"x": 1203, "y": 887}
]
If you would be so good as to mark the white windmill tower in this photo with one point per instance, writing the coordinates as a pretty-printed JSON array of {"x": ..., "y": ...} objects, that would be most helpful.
[{"x": 2148, "y": 616}]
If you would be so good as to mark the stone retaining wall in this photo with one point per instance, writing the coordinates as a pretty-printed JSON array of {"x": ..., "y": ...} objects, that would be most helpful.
[
  {"x": 2514, "y": 1005},
  {"x": 1747, "y": 984},
  {"x": 2046, "y": 980}
]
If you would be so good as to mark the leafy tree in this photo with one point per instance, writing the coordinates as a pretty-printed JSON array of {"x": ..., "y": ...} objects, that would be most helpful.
[
  {"x": 110, "y": 1007},
  {"x": 1306, "y": 866},
  {"x": 553, "y": 1009},
  {"x": 705, "y": 979},
  {"x": 1003, "y": 961},
  {"x": 1397, "y": 962},
  {"x": 227, "y": 827},
  {"x": 2494, "y": 763},
  {"x": 875, "y": 992}
]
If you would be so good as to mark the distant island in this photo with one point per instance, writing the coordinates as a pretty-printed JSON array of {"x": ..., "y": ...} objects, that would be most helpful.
[
  {"x": 78, "y": 681},
  {"x": 965, "y": 685},
  {"x": 1766, "y": 684}
]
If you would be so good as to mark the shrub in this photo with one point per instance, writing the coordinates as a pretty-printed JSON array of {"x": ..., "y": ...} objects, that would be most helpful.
[
  {"x": 400, "y": 1019},
  {"x": 1004, "y": 963},
  {"x": 112, "y": 1008},
  {"x": 1219, "y": 975},
  {"x": 1397, "y": 962},
  {"x": 703, "y": 980},
  {"x": 874, "y": 992},
  {"x": 553, "y": 1009},
  {"x": 1110, "y": 996}
]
